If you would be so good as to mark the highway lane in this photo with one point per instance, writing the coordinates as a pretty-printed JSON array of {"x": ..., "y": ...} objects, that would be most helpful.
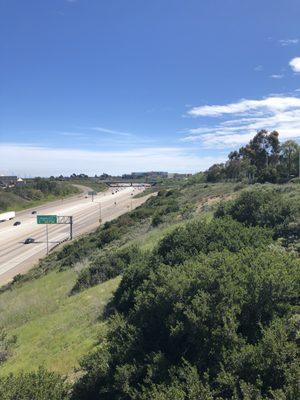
[{"x": 16, "y": 257}]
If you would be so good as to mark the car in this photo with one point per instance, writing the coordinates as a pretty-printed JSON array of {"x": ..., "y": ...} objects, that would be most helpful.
[
  {"x": 29, "y": 240},
  {"x": 33, "y": 212},
  {"x": 17, "y": 223}
]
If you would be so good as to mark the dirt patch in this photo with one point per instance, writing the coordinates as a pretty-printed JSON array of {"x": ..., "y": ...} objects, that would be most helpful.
[{"x": 208, "y": 202}]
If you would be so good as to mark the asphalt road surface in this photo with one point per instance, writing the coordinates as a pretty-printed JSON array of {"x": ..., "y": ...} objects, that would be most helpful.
[{"x": 17, "y": 257}]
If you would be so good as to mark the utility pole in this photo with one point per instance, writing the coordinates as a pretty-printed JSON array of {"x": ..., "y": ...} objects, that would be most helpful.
[
  {"x": 100, "y": 213},
  {"x": 71, "y": 227}
]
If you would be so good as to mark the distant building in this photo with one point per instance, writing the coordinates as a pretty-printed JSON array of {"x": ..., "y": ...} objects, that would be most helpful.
[
  {"x": 8, "y": 181},
  {"x": 20, "y": 182}
]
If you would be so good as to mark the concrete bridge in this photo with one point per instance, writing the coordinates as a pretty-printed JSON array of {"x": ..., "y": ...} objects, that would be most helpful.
[{"x": 128, "y": 183}]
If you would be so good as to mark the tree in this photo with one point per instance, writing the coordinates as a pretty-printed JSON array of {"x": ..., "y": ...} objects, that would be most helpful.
[
  {"x": 215, "y": 173},
  {"x": 289, "y": 156}
]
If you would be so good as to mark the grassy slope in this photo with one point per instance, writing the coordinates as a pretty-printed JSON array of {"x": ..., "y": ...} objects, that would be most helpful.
[
  {"x": 53, "y": 329},
  {"x": 17, "y": 203},
  {"x": 97, "y": 186}
]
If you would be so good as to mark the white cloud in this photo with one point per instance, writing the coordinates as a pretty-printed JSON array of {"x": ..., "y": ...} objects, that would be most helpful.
[
  {"x": 271, "y": 104},
  {"x": 288, "y": 42},
  {"x": 243, "y": 119},
  {"x": 277, "y": 76},
  {"x": 30, "y": 160},
  {"x": 295, "y": 64}
]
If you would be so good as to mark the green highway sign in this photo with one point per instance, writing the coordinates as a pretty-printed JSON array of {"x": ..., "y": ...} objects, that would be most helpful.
[
  {"x": 92, "y": 193},
  {"x": 46, "y": 219}
]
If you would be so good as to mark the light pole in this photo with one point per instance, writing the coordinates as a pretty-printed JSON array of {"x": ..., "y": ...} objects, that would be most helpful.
[{"x": 47, "y": 238}]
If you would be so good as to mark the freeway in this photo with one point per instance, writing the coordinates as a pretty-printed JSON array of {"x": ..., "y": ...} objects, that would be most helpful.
[{"x": 17, "y": 257}]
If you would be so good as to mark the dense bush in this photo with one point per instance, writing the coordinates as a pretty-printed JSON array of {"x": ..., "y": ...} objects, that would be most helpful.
[
  {"x": 219, "y": 326},
  {"x": 186, "y": 242},
  {"x": 6, "y": 344},
  {"x": 40, "y": 385},
  {"x": 203, "y": 236},
  {"x": 106, "y": 266},
  {"x": 259, "y": 207}
]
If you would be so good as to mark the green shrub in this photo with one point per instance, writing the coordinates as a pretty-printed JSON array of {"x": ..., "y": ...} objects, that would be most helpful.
[
  {"x": 156, "y": 220},
  {"x": 258, "y": 207},
  {"x": 202, "y": 236},
  {"x": 228, "y": 316},
  {"x": 40, "y": 385},
  {"x": 106, "y": 266},
  {"x": 6, "y": 344}
]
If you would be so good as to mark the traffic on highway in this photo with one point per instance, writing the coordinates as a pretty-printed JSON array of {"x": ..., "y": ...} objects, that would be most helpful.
[{"x": 23, "y": 241}]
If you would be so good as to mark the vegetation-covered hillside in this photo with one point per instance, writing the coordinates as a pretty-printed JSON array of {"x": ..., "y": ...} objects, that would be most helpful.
[
  {"x": 35, "y": 191},
  {"x": 193, "y": 295}
]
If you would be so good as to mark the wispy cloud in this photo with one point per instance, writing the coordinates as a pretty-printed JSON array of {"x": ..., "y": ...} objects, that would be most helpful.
[
  {"x": 295, "y": 64},
  {"x": 30, "y": 160},
  {"x": 271, "y": 104},
  {"x": 258, "y": 68},
  {"x": 277, "y": 76},
  {"x": 110, "y": 131},
  {"x": 72, "y": 134},
  {"x": 288, "y": 42},
  {"x": 241, "y": 120}
]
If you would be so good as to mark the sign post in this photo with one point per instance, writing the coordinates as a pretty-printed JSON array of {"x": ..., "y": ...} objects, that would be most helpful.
[
  {"x": 93, "y": 193},
  {"x": 46, "y": 219},
  {"x": 54, "y": 219}
]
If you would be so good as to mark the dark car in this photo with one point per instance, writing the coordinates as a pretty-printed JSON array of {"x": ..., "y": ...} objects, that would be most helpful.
[
  {"x": 17, "y": 223},
  {"x": 33, "y": 212},
  {"x": 29, "y": 240}
]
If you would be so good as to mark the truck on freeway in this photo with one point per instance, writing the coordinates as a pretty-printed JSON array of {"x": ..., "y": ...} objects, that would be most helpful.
[{"x": 7, "y": 216}]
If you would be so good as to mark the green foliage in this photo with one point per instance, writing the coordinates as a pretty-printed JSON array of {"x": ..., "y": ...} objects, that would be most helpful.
[
  {"x": 267, "y": 208},
  {"x": 34, "y": 192},
  {"x": 106, "y": 266},
  {"x": 263, "y": 159},
  {"x": 156, "y": 220},
  {"x": 229, "y": 316},
  {"x": 258, "y": 207},
  {"x": 39, "y": 385},
  {"x": 6, "y": 344},
  {"x": 206, "y": 236}
]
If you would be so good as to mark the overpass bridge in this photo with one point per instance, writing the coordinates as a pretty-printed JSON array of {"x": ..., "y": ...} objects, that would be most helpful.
[{"x": 128, "y": 183}]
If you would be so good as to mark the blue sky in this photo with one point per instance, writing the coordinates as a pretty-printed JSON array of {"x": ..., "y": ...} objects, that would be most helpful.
[{"x": 120, "y": 86}]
